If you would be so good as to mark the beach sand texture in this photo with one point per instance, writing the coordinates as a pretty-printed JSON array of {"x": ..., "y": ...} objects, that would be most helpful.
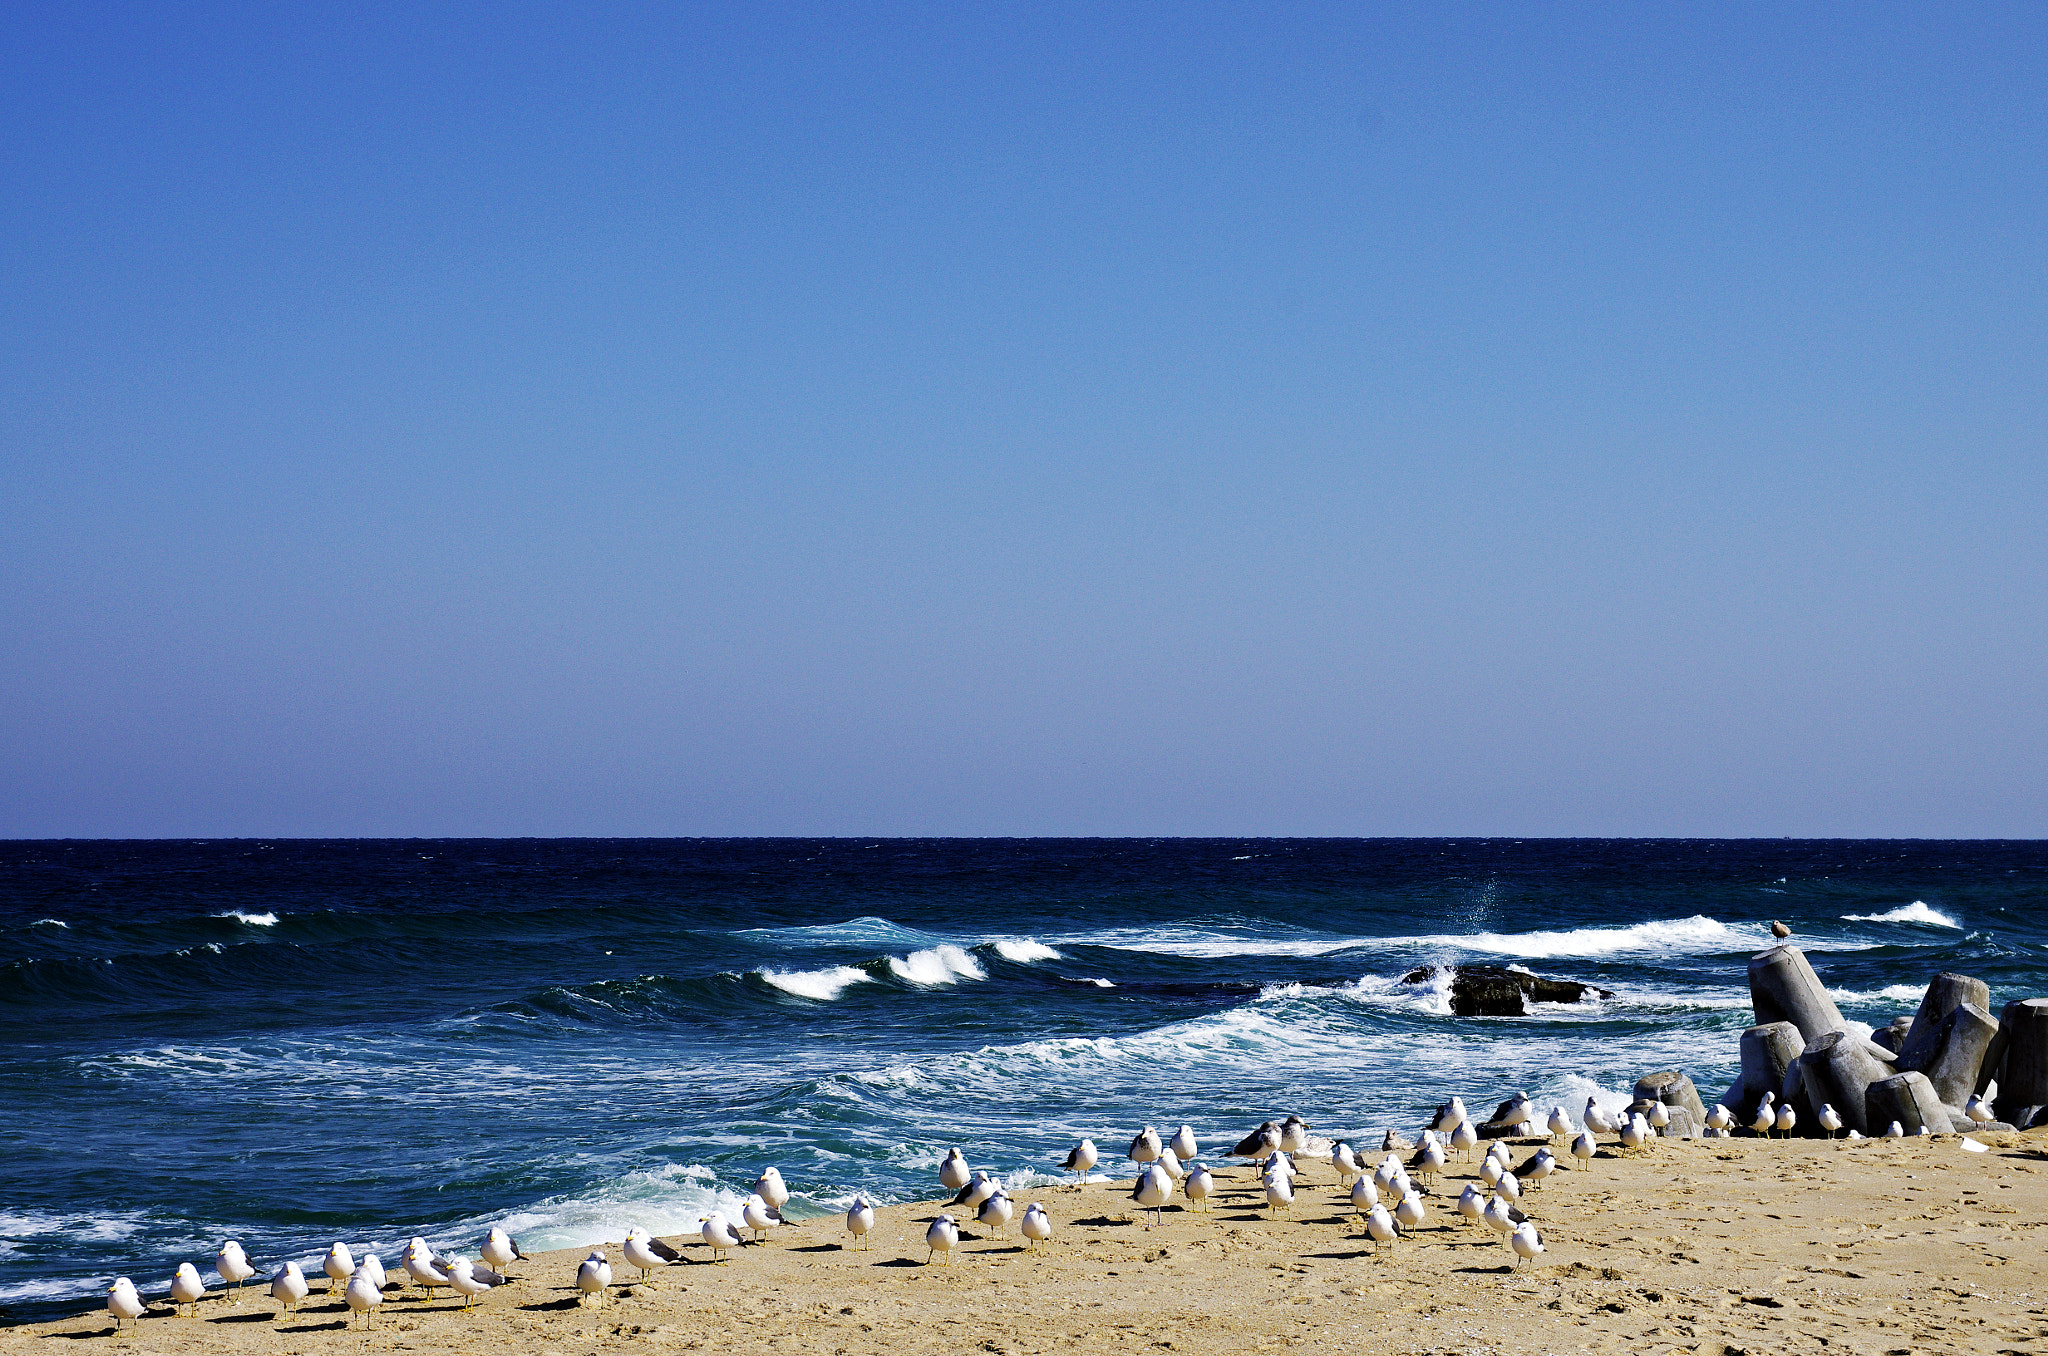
[{"x": 1711, "y": 1246}]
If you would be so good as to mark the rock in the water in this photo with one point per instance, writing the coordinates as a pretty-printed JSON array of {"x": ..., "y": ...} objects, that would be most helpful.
[{"x": 1492, "y": 991}]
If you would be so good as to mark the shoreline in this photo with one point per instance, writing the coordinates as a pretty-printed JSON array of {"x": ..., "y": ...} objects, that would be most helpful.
[{"x": 1699, "y": 1246}]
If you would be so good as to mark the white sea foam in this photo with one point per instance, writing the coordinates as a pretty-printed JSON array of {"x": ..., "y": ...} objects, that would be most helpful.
[
  {"x": 1897, "y": 993},
  {"x": 668, "y": 1200},
  {"x": 945, "y": 964},
  {"x": 50, "y": 923},
  {"x": 1024, "y": 950},
  {"x": 823, "y": 985},
  {"x": 1666, "y": 936},
  {"x": 1916, "y": 912},
  {"x": 254, "y": 920}
]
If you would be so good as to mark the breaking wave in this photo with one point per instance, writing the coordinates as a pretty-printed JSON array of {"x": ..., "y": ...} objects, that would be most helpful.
[{"x": 1916, "y": 912}]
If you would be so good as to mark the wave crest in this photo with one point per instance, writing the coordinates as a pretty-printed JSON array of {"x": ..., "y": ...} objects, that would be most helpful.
[
  {"x": 945, "y": 964},
  {"x": 1024, "y": 950},
  {"x": 823, "y": 985},
  {"x": 1916, "y": 912}
]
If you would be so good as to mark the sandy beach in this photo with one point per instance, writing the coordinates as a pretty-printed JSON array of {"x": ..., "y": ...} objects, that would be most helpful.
[{"x": 1704, "y": 1246}]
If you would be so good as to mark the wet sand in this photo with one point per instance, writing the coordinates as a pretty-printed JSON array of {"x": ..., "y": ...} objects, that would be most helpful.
[{"x": 1701, "y": 1246}]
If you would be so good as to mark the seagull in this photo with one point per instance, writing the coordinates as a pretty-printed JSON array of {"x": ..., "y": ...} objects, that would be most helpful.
[
  {"x": 1510, "y": 1186},
  {"x": 1765, "y": 1116},
  {"x": 1410, "y": 1211},
  {"x": 771, "y": 1190},
  {"x": 1383, "y": 1176},
  {"x": 1145, "y": 1148},
  {"x": 1895, "y": 1131},
  {"x": 1432, "y": 1163},
  {"x": 953, "y": 1173},
  {"x": 1364, "y": 1195},
  {"x": 1381, "y": 1227},
  {"x": 1597, "y": 1120},
  {"x": 373, "y": 1269},
  {"x": 1452, "y": 1116},
  {"x": 234, "y": 1267},
  {"x": 1635, "y": 1134},
  {"x": 1294, "y": 1135},
  {"x": 995, "y": 1212},
  {"x": 1787, "y": 1118},
  {"x": 1583, "y": 1146},
  {"x": 718, "y": 1233},
  {"x": 1779, "y": 930},
  {"x": 1559, "y": 1124},
  {"x": 942, "y": 1237},
  {"x": 978, "y": 1189},
  {"x": 1198, "y": 1184},
  {"x": 1854, "y": 1133},
  {"x": 1978, "y": 1109},
  {"x": 1169, "y": 1163},
  {"x": 1536, "y": 1168},
  {"x": 644, "y": 1251},
  {"x": 1658, "y": 1115},
  {"x": 1036, "y": 1225},
  {"x": 1501, "y": 1217},
  {"x": 1080, "y": 1158},
  {"x": 595, "y": 1275},
  {"x": 1279, "y": 1163},
  {"x": 1490, "y": 1171},
  {"x": 1463, "y": 1137},
  {"x": 339, "y": 1266},
  {"x": 1260, "y": 1142},
  {"x": 421, "y": 1266},
  {"x": 124, "y": 1302},
  {"x": 1279, "y": 1192},
  {"x": 363, "y": 1297},
  {"x": 1152, "y": 1191},
  {"x": 1525, "y": 1241},
  {"x": 1471, "y": 1203},
  {"x": 469, "y": 1282},
  {"x": 501, "y": 1250},
  {"x": 1830, "y": 1119},
  {"x": 860, "y": 1219},
  {"x": 758, "y": 1217},
  {"x": 187, "y": 1288},
  {"x": 1344, "y": 1161},
  {"x": 288, "y": 1287},
  {"x": 1720, "y": 1118},
  {"x": 1183, "y": 1144}
]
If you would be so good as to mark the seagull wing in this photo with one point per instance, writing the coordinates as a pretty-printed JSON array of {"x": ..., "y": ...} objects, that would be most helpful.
[
  {"x": 1250, "y": 1143},
  {"x": 486, "y": 1275},
  {"x": 663, "y": 1250}
]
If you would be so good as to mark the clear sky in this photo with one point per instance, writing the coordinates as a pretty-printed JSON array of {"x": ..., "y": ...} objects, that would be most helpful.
[{"x": 516, "y": 419}]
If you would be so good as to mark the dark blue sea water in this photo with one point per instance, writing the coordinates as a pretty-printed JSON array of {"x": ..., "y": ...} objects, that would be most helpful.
[{"x": 295, "y": 1042}]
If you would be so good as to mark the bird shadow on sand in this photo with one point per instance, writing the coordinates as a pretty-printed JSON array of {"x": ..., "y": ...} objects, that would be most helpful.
[
  {"x": 820, "y": 1247},
  {"x": 253, "y": 1316},
  {"x": 553, "y": 1306},
  {"x": 1503, "y": 1270},
  {"x": 1247, "y": 1219},
  {"x": 1101, "y": 1222},
  {"x": 900, "y": 1262},
  {"x": 317, "y": 1327},
  {"x": 997, "y": 1252},
  {"x": 1343, "y": 1256},
  {"x": 96, "y": 1332}
]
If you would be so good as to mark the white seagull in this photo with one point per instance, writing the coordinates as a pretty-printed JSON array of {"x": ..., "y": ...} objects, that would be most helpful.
[
  {"x": 1364, "y": 1195},
  {"x": 1895, "y": 1131},
  {"x": 1596, "y": 1120},
  {"x": 1294, "y": 1135},
  {"x": 1787, "y": 1118},
  {"x": 954, "y": 1173},
  {"x": 1463, "y": 1137},
  {"x": 1635, "y": 1134},
  {"x": 1978, "y": 1109},
  {"x": 1583, "y": 1146},
  {"x": 1344, "y": 1161},
  {"x": 1080, "y": 1158},
  {"x": 1526, "y": 1242},
  {"x": 423, "y": 1267},
  {"x": 1183, "y": 1144},
  {"x": 1279, "y": 1192},
  {"x": 363, "y": 1297},
  {"x": 1766, "y": 1115},
  {"x": 595, "y": 1275},
  {"x": 469, "y": 1281},
  {"x": 1145, "y": 1147},
  {"x": 1379, "y": 1225},
  {"x": 1510, "y": 1187},
  {"x": 758, "y": 1216},
  {"x": 718, "y": 1234},
  {"x": 860, "y": 1219},
  {"x": 1559, "y": 1124},
  {"x": 1199, "y": 1184},
  {"x": 187, "y": 1288},
  {"x": 1471, "y": 1203},
  {"x": 288, "y": 1287},
  {"x": 1453, "y": 1116},
  {"x": 1490, "y": 1170},
  {"x": 372, "y": 1268},
  {"x": 995, "y": 1212},
  {"x": 770, "y": 1189},
  {"x": 1152, "y": 1191},
  {"x": 1719, "y": 1118},
  {"x": 124, "y": 1302},
  {"x": 339, "y": 1266},
  {"x": 643, "y": 1250},
  {"x": 942, "y": 1237},
  {"x": 978, "y": 1189},
  {"x": 1830, "y": 1119},
  {"x": 1658, "y": 1115},
  {"x": 1169, "y": 1163},
  {"x": 500, "y": 1251},
  {"x": 1410, "y": 1211},
  {"x": 1036, "y": 1226},
  {"x": 234, "y": 1268}
]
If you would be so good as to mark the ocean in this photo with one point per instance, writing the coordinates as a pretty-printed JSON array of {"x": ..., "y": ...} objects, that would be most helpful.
[{"x": 291, "y": 1042}]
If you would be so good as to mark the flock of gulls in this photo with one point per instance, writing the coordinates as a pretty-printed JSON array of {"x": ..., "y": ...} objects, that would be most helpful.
[{"x": 1391, "y": 1199}]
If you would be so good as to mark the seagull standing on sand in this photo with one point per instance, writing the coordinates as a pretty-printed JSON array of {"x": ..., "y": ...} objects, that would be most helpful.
[
  {"x": 758, "y": 1217},
  {"x": 1535, "y": 1169},
  {"x": 1169, "y": 1163},
  {"x": 1720, "y": 1118},
  {"x": 1036, "y": 1226},
  {"x": 641, "y": 1250},
  {"x": 980, "y": 1188},
  {"x": 1559, "y": 1124},
  {"x": 1583, "y": 1147},
  {"x": 124, "y": 1302},
  {"x": 1152, "y": 1191},
  {"x": 1260, "y": 1142},
  {"x": 1510, "y": 1188},
  {"x": 1830, "y": 1119},
  {"x": 1433, "y": 1162},
  {"x": 1080, "y": 1158},
  {"x": 1279, "y": 1192},
  {"x": 1380, "y": 1227},
  {"x": 288, "y": 1287},
  {"x": 1410, "y": 1211},
  {"x": 420, "y": 1264},
  {"x": 1183, "y": 1144},
  {"x": 1787, "y": 1118},
  {"x": 995, "y": 1212},
  {"x": 860, "y": 1219},
  {"x": 1895, "y": 1131},
  {"x": 234, "y": 1268},
  {"x": 372, "y": 1270},
  {"x": 470, "y": 1282},
  {"x": 363, "y": 1297},
  {"x": 595, "y": 1276},
  {"x": 1526, "y": 1242},
  {"x": 1145, "y": 1148},
  {"x": 954, "y": 1173},
  {"x": 1452, "y": 1117},
  {"x": 501, "y": 1250},
  {"x": 1344, "y": 1161},
  {"x": 1596, "y": 1120},
  {"x": 1490, "y": 1171},
  {"x": 717, "y": 1232},
  {"x": 1198, "y": 1184},
  {"x": 1463, "y": 1137},
  {"x": 1364, "y": 1195},
  {"x": 187, "y": 1288},
  {"x": 1635, "y": 1134},
  {"x": 1766, "y": 1115},
  {"x": 1471, "y": 1203},
  {"x": 942, "y": 1237},
  {"x": 339, "y": 1266},
  {"x": 1294, "y": 1135},
  {"x": 1658, "y": 1115},
  {"x": 1978, "y": 1109}
]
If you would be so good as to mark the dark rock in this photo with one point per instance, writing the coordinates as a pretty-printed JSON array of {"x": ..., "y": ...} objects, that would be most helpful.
[{"x": 1492, "y": 991}]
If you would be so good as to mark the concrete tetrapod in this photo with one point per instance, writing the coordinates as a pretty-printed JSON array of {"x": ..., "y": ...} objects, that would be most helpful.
[
  {"x": 1952, "y": 1056},
  {"x": 1909, "y": 1099},
  {"x": 1673, "y": 1089},
  {"x": 1838, "y": 1067},
  {"x": 1784, "y": 988},
  {"x": 1945, "y": 992},
  {"x": 1767, "y": 1052},
  {"x": 2018, "y": 1059}
]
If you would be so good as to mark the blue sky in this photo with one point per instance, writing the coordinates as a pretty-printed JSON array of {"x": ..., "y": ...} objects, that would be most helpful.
[{"x": 1565, "y": 419}]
